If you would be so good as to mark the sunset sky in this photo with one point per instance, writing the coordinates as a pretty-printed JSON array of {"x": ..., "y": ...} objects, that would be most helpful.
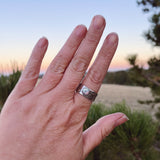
[{"x": 23, "y": 22}]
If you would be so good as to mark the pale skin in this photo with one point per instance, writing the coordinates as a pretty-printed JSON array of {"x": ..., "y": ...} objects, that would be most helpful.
[{"x": 45, "y": 121}]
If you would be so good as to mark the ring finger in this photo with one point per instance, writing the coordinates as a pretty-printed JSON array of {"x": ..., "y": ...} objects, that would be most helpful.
[{"x": 98, "y": 70}]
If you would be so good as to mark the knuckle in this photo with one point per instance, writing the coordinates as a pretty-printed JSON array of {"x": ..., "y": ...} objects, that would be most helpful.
[
  {"x": 92, "y": 39},
  {"x": 30, "y": 73},
  {"x": 17, "y": 106},
  {"x": 79, "y": 117},
  {"x": 107, "y": 55},
  {"x": 95, "y": 77},
  {"x": 72, "y": 45},
  {"x": 25, "y": 85},
  {"x": 58, "y": 66},
  {"x": 79, "y": 64},
  {"x": 103, "y": 131}
]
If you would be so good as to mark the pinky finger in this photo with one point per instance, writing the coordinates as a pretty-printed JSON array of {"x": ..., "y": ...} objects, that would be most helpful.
[{"x": 30, "y": 74}]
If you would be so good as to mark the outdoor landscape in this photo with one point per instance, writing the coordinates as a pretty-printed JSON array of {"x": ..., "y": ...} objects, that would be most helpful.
[
  {"x": 134, "y": 91},
  {"x": 110, "y": 94}
]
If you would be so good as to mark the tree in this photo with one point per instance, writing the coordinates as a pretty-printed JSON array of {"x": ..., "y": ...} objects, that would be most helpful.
[
  {"x": 151, "y": 76},
  {"x": 152, "y": 6}
]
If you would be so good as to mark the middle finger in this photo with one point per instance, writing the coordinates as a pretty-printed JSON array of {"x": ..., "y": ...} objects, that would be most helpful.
[{"x": 76, "y": 69}]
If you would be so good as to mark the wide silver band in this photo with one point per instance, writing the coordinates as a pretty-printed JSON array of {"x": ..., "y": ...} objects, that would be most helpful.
[{"x": 86, "y": 92}]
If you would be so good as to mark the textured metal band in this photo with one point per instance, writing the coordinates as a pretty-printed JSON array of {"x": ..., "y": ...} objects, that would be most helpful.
[{"x": 86, "y": 92}]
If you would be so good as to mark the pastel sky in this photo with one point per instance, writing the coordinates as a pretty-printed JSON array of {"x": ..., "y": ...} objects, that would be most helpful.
[{"x": 23, "y": 22}]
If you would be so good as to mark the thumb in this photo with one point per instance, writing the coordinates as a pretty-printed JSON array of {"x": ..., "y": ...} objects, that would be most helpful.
[{"x": 102, "y": 128}]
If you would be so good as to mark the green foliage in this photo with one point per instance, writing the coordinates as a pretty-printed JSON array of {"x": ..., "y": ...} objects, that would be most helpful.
[
  {"x": 131, "y": 141},
  {"x": 158, "y": 113},
  {"x": 154, "y": 73},
  {"x": 132, "y": 59},
  {"x": 128, "y": 77},
  {"x": 136, "y": 77},
  {"x": 154, "y": 64},
  {"x": 7, "y": 83},
  {"x": 119, "y": 77},
  {"x": 149, "y": 77},
  {"x": 153, "y": 34},
  {"x": 155, "y": 90}
]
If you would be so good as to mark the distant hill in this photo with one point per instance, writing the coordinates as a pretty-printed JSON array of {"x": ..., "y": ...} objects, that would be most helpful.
[{"x": 127, "y": 77}]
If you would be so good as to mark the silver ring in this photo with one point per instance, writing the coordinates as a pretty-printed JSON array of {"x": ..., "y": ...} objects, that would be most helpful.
[{"x": 86, "y": 92}]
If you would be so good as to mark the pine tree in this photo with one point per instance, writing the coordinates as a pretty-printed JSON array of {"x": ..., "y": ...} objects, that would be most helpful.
[{"x": 153, "y": 7}]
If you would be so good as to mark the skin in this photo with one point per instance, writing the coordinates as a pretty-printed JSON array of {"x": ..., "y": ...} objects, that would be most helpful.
[{"x": 45, "y": 121}]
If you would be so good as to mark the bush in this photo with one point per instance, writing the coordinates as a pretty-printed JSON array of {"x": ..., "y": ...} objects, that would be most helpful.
[
  {"x": 131, "y": 141},
  {"x": 119, "y": 77},
  {"x": 7, "y": 83},
  {"x": 128, "y": 77}
]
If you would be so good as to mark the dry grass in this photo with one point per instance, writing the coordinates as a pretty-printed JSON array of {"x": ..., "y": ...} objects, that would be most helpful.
[{"x": 111, "y": 94}]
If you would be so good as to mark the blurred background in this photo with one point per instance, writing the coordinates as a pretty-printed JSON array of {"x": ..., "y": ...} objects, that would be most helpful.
[
  {"x": 132, "y": 84},
  {"x": 23, "y": 22}
]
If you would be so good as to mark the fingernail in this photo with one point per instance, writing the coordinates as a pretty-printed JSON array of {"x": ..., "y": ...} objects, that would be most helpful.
[
  {"x": 121, "y": 120},
  {"x": 80, "y": 30},
  {"x": 125, "y": 117},
  {"x": 98, "y": 22},
  {"x": 42, "y": 42},
  {"x": 113, "y": 37}
]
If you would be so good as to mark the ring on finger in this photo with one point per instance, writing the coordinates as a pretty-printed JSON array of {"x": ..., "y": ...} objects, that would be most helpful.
[{"x": 86, "y": 92}]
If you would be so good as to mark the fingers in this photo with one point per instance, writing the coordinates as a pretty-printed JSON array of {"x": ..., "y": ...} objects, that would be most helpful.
[
  {"x": 31, "y": 72},
  {"x": 98, "y": 70},
  {"x": 81, "y": 60},
  {"x": 102, "y": 128},
  {"x": 58, "y": 66}
]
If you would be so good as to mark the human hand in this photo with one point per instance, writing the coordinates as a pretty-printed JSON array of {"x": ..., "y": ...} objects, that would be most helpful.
[{"x": 45, "y": 121}]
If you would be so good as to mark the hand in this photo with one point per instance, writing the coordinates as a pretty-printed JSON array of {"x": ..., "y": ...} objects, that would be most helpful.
[{"x": 45, "y": 121}]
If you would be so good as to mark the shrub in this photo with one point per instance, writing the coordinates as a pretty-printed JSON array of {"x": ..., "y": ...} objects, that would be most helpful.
[
  {"x": 119, "y": 77},
  {"x": 7, "y": 83},
  {"x": 131, "y": 141}
]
